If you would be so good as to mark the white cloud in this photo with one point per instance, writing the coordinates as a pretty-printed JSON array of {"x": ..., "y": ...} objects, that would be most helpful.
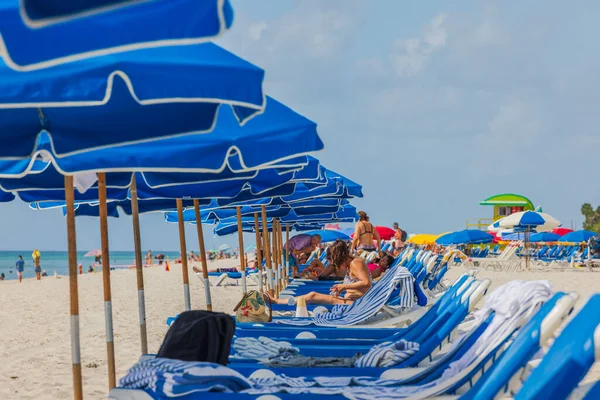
[{"x": 410, "y": 56}]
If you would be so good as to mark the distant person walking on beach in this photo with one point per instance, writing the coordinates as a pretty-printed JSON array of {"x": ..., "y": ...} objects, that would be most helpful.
[
  {"x": 36, "y": 262},
  {"x": 149, "y": 258},
  {"x": 20, "y": 267},
  {"x": 399, "y": 239}
]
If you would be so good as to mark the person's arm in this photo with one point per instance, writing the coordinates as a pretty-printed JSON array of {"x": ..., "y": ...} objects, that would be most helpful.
[
  {"x": 328, "y": 271},
  {"x": 355, "y": 239},
  {"x": 377, "y": 237},
  {"x": 361, "y": 272}
]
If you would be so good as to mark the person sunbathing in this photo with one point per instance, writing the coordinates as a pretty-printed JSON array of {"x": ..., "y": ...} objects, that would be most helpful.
[
  {"x": 357, "y": 280},
  {"x": 379, "y": 269}
]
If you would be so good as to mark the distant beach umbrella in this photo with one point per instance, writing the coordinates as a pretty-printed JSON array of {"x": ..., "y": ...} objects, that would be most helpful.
[
  {"x": 93, "y": 253},
  {"x": 467, "y": 236},
  {"x": 562, "y": 231},
  {"x": 577, "y": 236},
  {"x": 530, "y": 220},
  {"x": 544, "y": 237}
]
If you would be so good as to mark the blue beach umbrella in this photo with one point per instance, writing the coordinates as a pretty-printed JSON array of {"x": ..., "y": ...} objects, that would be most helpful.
[
  {"x": 467, "y": 236},
  {"x": 40, "y": 33},
  {"x": 329, "y": 235},
  {"x": 577, "y": 236},
  {"x": 528, "y": 220},
  {"x": 124, "y": 98},
  {"x": 228, "y": 147},
  {"x": 544, "y": 237}
]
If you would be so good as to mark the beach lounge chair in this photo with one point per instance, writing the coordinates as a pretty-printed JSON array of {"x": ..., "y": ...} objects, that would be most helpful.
[{"x": 534, "y": 333}]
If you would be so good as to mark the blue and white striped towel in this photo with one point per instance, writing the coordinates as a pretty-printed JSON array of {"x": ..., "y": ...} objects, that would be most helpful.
[
  {"x": 170, "y": 378},
  {"x": 262, "y": 348},
  {"x": 366, "y": 306},
  {"x": 387, "y": 354}
]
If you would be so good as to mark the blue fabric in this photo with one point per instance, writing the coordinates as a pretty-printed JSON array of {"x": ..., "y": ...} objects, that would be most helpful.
[
  {"x": 42, "y": 39},
  {"x": 329, "y": 235},
  {"x": 544, "y": 237},
  {"x": 172, "y": 91},
  {"x": 171, "y": 378},
  {"x": 20, "y": 265},
  {"x": 467, "y": 236},
  {"x": 577, "y": 236}
]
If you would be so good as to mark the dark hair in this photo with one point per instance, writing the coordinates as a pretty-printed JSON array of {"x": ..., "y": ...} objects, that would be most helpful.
[
  {"x": 390, "y": 259},
  {"x": 363, "y": 216},
  {"x": 339, "y": 252}
]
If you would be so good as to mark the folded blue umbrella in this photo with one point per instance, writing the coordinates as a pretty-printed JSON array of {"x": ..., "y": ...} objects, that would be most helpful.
[
  {"x": 125, "y": 98},
  {"x": 41, "y": 33},
  {"x": 577, "y": 236},
  {"x": 467, "y": 236}
]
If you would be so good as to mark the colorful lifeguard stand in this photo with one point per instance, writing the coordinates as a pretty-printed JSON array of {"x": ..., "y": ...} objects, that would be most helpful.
[{"x": 504, "y": 205}]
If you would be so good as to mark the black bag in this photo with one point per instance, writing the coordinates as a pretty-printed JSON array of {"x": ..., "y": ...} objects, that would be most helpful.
[
  {"x": 199, "y": 336},
  {"x": 403, "y": 235}
]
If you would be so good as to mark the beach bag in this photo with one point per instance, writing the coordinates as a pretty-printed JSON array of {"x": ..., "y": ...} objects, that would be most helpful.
[
  {"x": 252, "y": 308},
  {"x": 199, "y": 336},
  {"x": 403, "y": 235}
]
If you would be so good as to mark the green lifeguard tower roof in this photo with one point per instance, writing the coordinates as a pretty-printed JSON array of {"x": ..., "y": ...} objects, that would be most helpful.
[{"x": 508, "y": 199}]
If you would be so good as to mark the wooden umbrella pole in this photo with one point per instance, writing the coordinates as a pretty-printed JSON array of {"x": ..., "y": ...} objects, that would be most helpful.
[
  {"x": 205, "y": 279},
  {"x": 267, "y": 250},
  {"x": 276, "y": 251},
  {"x": 287, "y": 251},
  {"x": 139, "y": 266},
  {"x": 259, "y": 257},
  {"x": 73, "y": 291},
  {"x": 280, "y": 256},
  {"x": 241, "y": 245},
  {"x": 108, "y": 319},
  {"x": 183, "y": 250}
]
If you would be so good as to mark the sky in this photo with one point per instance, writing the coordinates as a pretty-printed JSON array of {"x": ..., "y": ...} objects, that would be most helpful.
[{"x": 432, "y": 106}]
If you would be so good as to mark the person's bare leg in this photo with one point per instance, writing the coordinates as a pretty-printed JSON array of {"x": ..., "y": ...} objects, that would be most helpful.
[
  {"x": 38, "y": 275},
  {"x": 320, "y": 298},
  {"x": 20, "y": 277},
  {"x": 294, "y": 271}
]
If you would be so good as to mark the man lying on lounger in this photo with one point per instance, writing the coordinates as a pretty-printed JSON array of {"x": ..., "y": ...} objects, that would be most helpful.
[{"x": 356, "y": 283}]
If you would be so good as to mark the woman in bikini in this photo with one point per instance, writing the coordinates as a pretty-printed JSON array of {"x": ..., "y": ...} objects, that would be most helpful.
[
  {"x": 364, "y": 233},
  {"x": 379, "y": 269},
  {"x": 357, "y": 280}
]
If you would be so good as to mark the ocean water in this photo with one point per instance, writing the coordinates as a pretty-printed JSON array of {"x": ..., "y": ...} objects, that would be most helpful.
[{"x": 58, "y": 261}]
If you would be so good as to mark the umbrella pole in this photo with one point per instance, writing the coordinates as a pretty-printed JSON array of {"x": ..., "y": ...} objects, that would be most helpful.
[
  {"x": 287, "y": 251},
  {"x": 267, "y": 250},
  {"x": 139, "y": 267},
  {"x": 274, "y": 240},
  {"x": 74, "y": 295},
  {"x": 259, "y": 257},
  {"x": 527, "y": 249},
  {"x": 242, "y": 254},
  {"x": 280, "y": 255},
  {"x": 203, "y": 255},
  {"x": 108, "y": 319},
  {"x": 183, "y": 250}
]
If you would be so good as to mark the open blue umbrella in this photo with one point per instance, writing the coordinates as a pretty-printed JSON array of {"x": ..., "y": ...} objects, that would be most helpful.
[
  {"x": 577, "y": 236},
  {"x": 329, "y": 235},
  {"x": 467, "y": 236},
  {"x": 125, "y": 98},
  {"x": 41, "y": 33},
  {"x": 544, "y": 237}
]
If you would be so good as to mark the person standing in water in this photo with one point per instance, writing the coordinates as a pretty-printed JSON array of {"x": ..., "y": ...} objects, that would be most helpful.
[
  {"x": 36, "y": 262},
  {"x": 20, "y": 265}
]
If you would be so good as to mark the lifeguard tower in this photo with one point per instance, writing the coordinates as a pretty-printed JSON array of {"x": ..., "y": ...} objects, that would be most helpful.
[{"x": 504, "y": 204}]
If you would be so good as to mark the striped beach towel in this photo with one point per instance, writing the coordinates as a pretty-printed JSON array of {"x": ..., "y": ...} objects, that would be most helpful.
[
  {"x": 387, "y": 354},
  {"x": 262, "y": 348},
  {"x": 171, "y": 378},
  {"x": 366, "y": 306}
]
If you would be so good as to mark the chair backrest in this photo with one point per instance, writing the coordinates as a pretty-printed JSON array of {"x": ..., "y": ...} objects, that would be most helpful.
[
  {"x": 525, "y": 344},
  {"x": 570, "y": 357}
]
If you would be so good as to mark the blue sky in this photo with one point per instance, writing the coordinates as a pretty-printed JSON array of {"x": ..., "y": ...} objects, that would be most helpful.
[{"x": 432, "y": 106}]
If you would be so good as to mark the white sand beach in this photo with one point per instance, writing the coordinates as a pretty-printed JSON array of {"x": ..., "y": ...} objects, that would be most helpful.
[{"x": 35, "y": 337}]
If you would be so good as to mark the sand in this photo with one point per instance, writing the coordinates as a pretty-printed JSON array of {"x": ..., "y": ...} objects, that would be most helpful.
[{"x": 35, "y": 337}]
